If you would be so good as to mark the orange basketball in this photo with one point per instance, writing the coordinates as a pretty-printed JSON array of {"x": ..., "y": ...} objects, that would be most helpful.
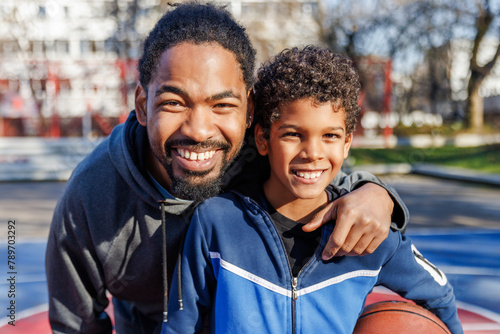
[{"x": 398, "y": 317}]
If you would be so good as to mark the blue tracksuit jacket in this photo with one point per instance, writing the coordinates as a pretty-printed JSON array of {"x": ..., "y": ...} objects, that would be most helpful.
[{"x": 234, "y": 267}]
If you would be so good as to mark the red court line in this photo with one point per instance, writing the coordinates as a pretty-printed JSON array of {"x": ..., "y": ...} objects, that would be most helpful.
[{"x": 474, "y": 319}]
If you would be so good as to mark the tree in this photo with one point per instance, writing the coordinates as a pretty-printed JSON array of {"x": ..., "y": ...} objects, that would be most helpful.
[
  {"x": 409, "y": 30},
  {"x": 483, "y": 25}
]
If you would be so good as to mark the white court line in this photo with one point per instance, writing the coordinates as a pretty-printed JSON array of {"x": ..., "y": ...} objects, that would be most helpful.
[
  {"x": 472, "y": 271},
  {"x": 27, "y": 313},
  {"x": 481, "y": 327},
  {"x": 490, "y": 315},
  {"x": 448, "y": 231},
  {"x": 28, "y": 240},
  {"x": 493, "y": 316}
]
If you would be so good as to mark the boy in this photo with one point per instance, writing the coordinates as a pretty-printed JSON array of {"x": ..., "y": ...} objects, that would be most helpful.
[{"x": 246, "y": 260}]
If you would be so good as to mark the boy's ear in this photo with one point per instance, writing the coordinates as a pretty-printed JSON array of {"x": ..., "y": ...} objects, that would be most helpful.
[
  {"x": 347, "y": 144},
  {"x": 260, "y": 140},
  {"x": 141, "y": 101},
  {"x": 250, "y": 108}
]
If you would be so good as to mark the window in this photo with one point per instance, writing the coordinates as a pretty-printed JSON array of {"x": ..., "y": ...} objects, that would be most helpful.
[
  {"x": 41, "y": 12},
  {"x": 62, "y": 47}
]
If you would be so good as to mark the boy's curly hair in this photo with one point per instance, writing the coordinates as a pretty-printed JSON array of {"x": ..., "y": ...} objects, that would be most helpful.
[
  {"x": 196, "y": 23},
  {"x": 312, "y": 72}
]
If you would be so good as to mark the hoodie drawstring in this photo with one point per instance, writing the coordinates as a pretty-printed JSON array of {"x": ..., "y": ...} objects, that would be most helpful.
[
  {"x": 164, "y": 258},
  {"x": 179, "y": 279},
  {"x": 165, "y": 271}
]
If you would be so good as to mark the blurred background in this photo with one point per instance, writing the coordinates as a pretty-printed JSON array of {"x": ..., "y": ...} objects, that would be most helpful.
[
  {"x": 429, "y": 71},
  {"x": 68, "y": 68},
  {"x": 430, "y": 123}
]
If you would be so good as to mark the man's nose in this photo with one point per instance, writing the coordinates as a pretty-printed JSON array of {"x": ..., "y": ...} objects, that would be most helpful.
[{"x": 199, "y": 125}]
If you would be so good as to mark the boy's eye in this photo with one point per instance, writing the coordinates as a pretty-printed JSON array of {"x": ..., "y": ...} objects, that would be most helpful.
[{"x": 331, "y": 135}]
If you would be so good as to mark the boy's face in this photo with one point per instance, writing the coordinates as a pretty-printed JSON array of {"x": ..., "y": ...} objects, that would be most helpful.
[{"x": 306, "y": 149}]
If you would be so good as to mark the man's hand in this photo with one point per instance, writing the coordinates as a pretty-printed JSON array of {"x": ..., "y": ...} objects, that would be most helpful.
[{"x": 363, "y": 221}]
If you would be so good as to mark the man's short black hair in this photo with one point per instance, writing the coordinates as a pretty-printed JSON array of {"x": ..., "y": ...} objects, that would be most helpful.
[
  {"x": 196, "y": 23},
  {"x": 312, "y": 72}
]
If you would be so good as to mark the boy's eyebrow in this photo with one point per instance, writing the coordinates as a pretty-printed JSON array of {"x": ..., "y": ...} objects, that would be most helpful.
[{"x": 296, "y": 127}]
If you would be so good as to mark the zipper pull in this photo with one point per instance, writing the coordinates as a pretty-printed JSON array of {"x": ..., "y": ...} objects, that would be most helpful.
[{"x": 294, "y": 288}]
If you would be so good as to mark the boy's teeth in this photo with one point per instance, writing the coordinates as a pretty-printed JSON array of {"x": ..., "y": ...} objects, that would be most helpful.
[
  {"x": 195, "y": 156},
  {"x": 307, "y": 175}
]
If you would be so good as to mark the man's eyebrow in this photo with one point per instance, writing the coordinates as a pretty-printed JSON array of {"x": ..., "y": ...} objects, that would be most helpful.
[
  {"x": 224, "y": 95},
  {"x": 169, "y": 89}
]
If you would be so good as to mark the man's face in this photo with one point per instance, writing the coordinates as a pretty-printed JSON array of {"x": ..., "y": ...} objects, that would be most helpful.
[{"x": 196, "y": 114}]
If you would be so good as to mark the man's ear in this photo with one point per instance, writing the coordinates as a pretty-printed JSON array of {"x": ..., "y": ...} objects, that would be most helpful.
[
  {"x": 261, "y": 140},
  {"x": 250, "y": 108},
  {"x": 141, "y": 101},
  {"x": 347, "y": 144}
]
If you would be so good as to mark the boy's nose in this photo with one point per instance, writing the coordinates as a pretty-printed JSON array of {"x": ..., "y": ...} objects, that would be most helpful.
[
  {"x": 311, "y": 150},
  {"x": 199, "y": 125}
]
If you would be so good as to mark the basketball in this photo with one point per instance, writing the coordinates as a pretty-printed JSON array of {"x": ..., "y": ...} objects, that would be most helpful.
[{"x": 398, "y": 317}]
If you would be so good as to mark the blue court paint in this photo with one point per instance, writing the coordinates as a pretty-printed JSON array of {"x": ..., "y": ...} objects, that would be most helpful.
[{"x": 470, "y": 259}]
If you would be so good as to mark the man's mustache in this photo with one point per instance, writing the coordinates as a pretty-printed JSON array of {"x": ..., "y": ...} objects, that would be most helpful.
[{"x": 195, "y": 146}]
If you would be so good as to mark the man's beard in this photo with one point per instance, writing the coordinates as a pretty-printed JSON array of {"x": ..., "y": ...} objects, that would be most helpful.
[
  {"x": 185, "y": 187},
  {"x": 198, "y": 191}
]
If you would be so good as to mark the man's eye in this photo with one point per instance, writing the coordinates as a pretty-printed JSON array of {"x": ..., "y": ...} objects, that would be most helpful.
[
  {"x": 171, "y": 103},
  {"x": 224, "y": 105}
]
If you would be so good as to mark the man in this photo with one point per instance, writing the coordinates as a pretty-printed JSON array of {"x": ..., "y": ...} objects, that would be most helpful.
[{"x": 130, "y": 200}]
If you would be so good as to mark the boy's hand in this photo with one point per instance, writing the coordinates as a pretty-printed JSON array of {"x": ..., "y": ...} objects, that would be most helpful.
[{"x": 363, "y": 221}]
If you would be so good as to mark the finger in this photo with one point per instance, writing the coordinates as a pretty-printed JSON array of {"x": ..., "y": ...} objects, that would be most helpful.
[
  {"x": 336, "y": 240},
  {"x": 374, "y": 244},
  {"x": 361, "y": 245},
  {"x": 352, "y": 240},
  {"x": 328, "y": 213},
  {"x": 369, "y": 249}
]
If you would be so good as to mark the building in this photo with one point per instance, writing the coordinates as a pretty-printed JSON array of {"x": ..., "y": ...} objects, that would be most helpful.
[{"x": 68, "y": 67}]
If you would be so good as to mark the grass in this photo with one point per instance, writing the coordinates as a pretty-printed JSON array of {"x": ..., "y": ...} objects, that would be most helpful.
[{"x": 483, "y": 159}]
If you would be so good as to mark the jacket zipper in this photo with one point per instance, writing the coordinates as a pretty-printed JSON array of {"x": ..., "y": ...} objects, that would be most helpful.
[
  {"x": 294, "y": 280},
  {"x": 294, "y": 298}
]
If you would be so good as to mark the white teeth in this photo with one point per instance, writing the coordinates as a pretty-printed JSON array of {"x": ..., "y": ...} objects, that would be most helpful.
[
  {"x": 195, "y": 156},
  {"x": 307, "y": 175}
]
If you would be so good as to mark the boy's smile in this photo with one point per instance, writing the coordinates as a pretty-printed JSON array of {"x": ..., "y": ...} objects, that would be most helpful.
[{"x": 306, "y": 148}]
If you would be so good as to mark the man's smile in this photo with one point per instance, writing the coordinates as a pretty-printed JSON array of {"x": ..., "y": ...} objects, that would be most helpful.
[
  {"x": 195, "y": 156},
  {"x": 197, "y": 159}
]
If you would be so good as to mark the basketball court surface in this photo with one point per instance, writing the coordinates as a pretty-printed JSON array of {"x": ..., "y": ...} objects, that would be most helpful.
[
  {"x": 470, "y": 259},
  {"x": 469, "y": 254}
]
